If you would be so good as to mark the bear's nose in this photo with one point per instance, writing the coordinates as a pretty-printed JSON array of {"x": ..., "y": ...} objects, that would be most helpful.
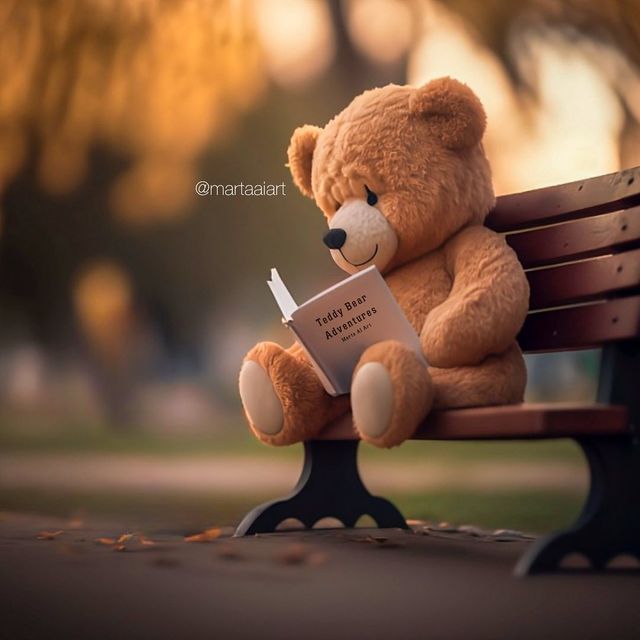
[{"x": 335, "y": 238}]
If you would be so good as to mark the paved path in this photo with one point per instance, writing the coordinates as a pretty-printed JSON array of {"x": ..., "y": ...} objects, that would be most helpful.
[
  {"x": 318, "y": 585},
  {"x": 239, "y": 475}
]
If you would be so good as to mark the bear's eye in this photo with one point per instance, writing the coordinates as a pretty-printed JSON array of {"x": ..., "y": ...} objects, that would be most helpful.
[
  {"x": 372, "y": 198},
  {"x": 337, "y": 206}
]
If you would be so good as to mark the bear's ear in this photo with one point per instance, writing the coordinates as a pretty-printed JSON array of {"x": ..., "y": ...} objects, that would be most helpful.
[
  {"x": 300, "y": 153},
  {"x": 453, "y": 113}
]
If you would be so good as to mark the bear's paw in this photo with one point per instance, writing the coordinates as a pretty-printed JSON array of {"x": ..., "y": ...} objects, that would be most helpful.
[
  {"x": 372, "y": 399},
  {"x": 259, "y": 398}
]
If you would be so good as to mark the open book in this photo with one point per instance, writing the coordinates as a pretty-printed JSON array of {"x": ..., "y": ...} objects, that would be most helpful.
[{"x": 337, "y": 325}]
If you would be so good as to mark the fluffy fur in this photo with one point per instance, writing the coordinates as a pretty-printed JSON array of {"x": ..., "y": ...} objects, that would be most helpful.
[{"x": 459, "y": 284}]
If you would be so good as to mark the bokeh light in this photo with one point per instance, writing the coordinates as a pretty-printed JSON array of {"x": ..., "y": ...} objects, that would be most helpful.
[
  {"x": 381, "y": 29},
  {"x": 103, "y": 302},
  {"x": 296, "y": 37},
  {"x": 155, "y": 81},
  {"x": 538, "y": 139}
]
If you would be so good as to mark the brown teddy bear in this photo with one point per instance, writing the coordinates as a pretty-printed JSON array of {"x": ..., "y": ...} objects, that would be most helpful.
[{"x": 404, "y": 183}]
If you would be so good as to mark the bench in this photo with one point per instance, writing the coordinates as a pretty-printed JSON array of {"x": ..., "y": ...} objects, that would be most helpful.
[{"x": 580, "y": 246}]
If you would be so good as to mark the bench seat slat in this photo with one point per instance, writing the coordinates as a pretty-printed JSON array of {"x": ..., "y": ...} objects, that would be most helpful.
[
  {"x": 583, "y": 281},
  {"x": 519, "y": 421},
  {"x": 569, "y": 201},
  {"x": 577, "y": 239},
  {"x": 581, "y": 327}
]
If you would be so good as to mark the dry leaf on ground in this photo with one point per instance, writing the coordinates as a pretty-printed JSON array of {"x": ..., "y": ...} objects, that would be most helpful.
[
  {"x": 317, "y": 558},
  {"x": 370, "y": 539},
  {"x": 126, "y": 541},
  {"x": 125, "y": 537},
  {"x": 205, "y": 536},
  {"x": 293, "y": 554},
  {"x": 75, "y": 523},
  {"x": 49, "y": 535},
  {"x": 298, "y": 553},
  {"x": 379, "y": 541}
]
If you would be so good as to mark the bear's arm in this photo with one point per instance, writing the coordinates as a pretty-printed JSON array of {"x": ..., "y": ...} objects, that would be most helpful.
[{"x": 487, "y": 304}]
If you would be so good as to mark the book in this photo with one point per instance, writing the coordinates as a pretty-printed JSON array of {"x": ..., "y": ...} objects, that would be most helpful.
[{"x": 335, "y": 326}]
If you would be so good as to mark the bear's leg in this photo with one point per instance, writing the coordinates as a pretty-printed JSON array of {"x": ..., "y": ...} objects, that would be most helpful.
[
  {"x": 391, "y": 393},
  {"x": 499, "y": 379},
  {"x": 283, "y": 399}
]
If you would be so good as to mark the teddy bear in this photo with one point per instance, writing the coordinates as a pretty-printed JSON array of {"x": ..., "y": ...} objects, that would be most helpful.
[{"x": 404, "y": 183}]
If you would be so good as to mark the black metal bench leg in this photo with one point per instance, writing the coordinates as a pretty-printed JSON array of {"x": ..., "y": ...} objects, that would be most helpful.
[
  {"x": 329, "y": 486},
  {"x": 610, "y": 521}
]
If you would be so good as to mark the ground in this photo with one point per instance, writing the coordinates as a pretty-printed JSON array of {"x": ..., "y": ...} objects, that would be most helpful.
[
  {"x": 195, "y": 483},
  {"x": 429, "y": 583},
  {"x": 65, "y": 503}
]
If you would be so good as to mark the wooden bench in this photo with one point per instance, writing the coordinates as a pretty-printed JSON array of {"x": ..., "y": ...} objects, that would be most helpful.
[{"x": 580, "y": 246}]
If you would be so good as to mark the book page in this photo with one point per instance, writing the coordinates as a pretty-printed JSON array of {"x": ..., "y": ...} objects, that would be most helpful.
[
  {"x": 280, "y": 292},
  {"x": 337, "y": 325}
]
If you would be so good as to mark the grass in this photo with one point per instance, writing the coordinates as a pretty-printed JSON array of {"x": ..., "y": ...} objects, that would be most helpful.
[
  {"x": 531, "y": 511},
  {"x": 235, "y": 440}
]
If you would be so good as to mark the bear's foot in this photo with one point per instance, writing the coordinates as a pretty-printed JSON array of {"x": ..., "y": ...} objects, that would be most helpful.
[
  {"x": 498, "y": 379},
  {"x": 391, "y": 394},
  {"x": 282, "y": 397},
  {"x": 261, "y": 403}
]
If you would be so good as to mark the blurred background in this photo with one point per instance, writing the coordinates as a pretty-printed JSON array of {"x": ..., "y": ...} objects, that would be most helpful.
[{"x": 127, "y": 301}]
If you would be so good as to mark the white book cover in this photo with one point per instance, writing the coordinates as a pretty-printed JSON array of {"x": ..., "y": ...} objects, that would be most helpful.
[{"x": 337, "y": 325}]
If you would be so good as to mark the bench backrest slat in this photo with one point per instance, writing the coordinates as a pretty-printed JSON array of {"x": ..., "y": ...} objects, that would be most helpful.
[
  {"x": 581, "y": 327},
  {"x": 580, "y": 199},
  {"x": 584, "y": 281},
  {"x": 579, "y": 244},
  {"x": 578, "y": 239}
]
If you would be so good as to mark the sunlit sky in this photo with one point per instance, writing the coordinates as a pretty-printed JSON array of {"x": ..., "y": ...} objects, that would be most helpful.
[{"x": 161, "y": 81}]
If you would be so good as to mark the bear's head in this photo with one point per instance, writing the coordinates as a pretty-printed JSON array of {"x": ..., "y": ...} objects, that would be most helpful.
[{"x": 396, "y": 173}]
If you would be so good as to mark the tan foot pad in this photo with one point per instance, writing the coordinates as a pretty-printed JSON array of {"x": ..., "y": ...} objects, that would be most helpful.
[
  {"x": 372, "y": 399},
  {"x": 260, "y": 399}
]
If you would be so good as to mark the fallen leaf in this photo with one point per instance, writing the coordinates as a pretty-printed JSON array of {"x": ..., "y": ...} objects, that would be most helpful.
[
  {"x": 125, "y": 537},
  {"x": 294, "y": 554},
  {"x": 126, "y": 541},
  {"x": 507, "y": 532},
  {"x": 75, "y": 523},
  {"x": 317, "y": 558},
  {"x": 379, "y": 541},
  {"x": 298, "y": 553},
  {"x": 49, "y": 535},
  {"x": 206, "y": 536},
  {"x": 445, "y": 527},
  {"x": 147, "y": 542},
  {"x": 370, "y": 539},
  {"x": 471, "y": 530}
]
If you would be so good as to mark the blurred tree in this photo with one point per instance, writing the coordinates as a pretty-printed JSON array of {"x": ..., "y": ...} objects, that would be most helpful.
[
  {"x": 498, "y": 23},
  {"x": 121, "y": 107}
]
